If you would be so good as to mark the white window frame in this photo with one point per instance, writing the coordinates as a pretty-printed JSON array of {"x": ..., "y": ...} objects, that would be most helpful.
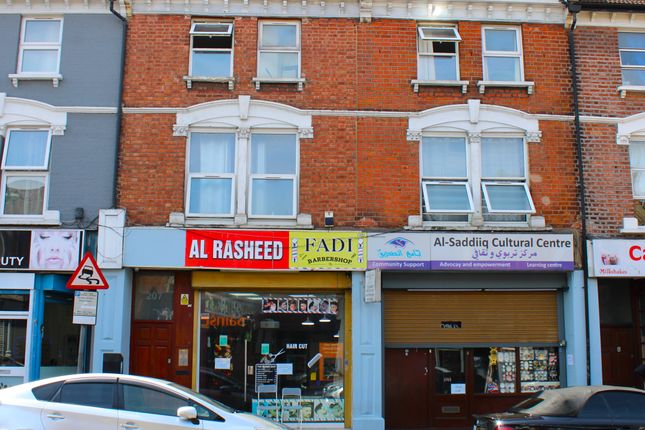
[
  {"x": 211, "y": 175},
  {"x": 54, "y": 75},
  {"x": 455, "y": 39},
  {"x": 624, "y": 87},
  {"x": 227, "y": 33},
  {"x": 13, "y": 171},
  {"x": 293, "y": 177},
  {"x": 487, "y": 199},
  {"x": 503, "y": 54},
  {"x": 20, "y": 371},
  {"x": 446, "y": 180},
  {"x": 426, "y": 198},
  {"x": 259, "y": 79}
]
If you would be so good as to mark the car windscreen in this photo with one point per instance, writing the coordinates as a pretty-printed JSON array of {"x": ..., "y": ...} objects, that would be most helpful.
[
  {"x": 204, "y": 399},
  {"x": 551, "y": 402}
]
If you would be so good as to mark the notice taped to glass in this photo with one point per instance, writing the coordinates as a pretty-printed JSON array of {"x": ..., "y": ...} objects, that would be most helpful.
[{"x": 267, "y": 375}]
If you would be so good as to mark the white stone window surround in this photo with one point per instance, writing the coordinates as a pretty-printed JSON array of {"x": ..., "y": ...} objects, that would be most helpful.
[
  {"x": 416, "y": 83},
  {"x": 23, "y": 113},
  {"x": 54, "y": 76},
  {"x": 259, "y": 79},
  {"x": 623, "y": 89},
  {"x": 244, "y": 117},
  {"x": 519, "y": 54},
  {"x": 192, "y": 77},
  {"x": 475, "y": 120},
  {"x": 631, "y": 129}
]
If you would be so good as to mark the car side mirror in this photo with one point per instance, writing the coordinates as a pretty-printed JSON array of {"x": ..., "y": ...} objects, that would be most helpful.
[{"x": 188, "y": 413}]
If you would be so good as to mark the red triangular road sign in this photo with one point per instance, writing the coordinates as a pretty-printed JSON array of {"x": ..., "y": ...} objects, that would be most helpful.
[{"x": 87, "y": 276}]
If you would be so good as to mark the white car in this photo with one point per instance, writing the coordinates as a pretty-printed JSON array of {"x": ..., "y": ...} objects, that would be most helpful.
[{"x": 103, "y": 401}]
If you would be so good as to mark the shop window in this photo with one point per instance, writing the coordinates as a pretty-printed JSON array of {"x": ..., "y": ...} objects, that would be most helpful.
[
  {"x": 17, "y": 301},
  {"x": 211, "y": 49},
  {"x": 25, "y": 165},
  {"x": 256, "y": 349},
  {"x": 632, "y": 58},
  {"x": 153, "y": 296},
  {"x": 450, "y": 376},
  {"x": 13, "y": 341},
  {"x": 507, "y": 370}
]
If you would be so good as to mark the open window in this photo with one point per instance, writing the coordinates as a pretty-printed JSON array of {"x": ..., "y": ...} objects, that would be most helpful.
[
  {"x": 438, "y": 57},
  {"x": 211, "y": 49}
]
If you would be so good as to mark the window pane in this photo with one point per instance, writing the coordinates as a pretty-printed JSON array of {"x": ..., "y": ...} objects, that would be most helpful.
[
  {"x": 153, "y": 296},
  {"x": 631, "y": 40},
  {"x": 279, "y": 36},
  {"x": 508, "y": 198},
  {"x": 444, "y": 197},
  {"x": 449, "y": 371},
  {"x": 638, "y": 182},
  {"x": 42, "y": 31},
  {"x": 503, "y": 68},
  {"x": 214, "y": 64},
  {"x": 444, "y": 157},
  {"x": 637, "y": 155},
  {"x": 60, "y": 340},
  {"x": 212, "y": 153},
  {"x": 210, "y": 196},
  {"x": 39, "y": 61},
  {"x": 495, "y": 370},
  {"x": 632, "y": 58},
  {"x": 273, "y": 153},
  {"x": 501, "y": 40},
  {"x": 439, "y": 33},
  {"x": 272, "y": 197},
  {"x": 27, "y": 148},
  {"x": 596, "y": 407},
  {"x": 433, "y": 68},
  {"x": 96, "y": 394},
  {"x": 145, "y": 400},
  {"x": 14, "y": 301},
  {"x": 539, "y": 369},
  {"x": 24, "y": 195},
  {"x": 278, "y": 65},
  {"x": 13, "y": 338},
  {"x": 502, "y": 157},
  {"x": 626, "y": 406},
  {"x": 633, "y": 77}
]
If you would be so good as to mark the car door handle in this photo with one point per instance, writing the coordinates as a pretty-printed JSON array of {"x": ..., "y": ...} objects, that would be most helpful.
[
  {"x": 55, "y": 416},
  {"x": 130, "y": 426}
]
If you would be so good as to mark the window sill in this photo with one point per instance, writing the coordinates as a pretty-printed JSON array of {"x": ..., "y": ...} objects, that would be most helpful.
[
  {"x": 48, "y": 218},
  {"x": 633, "y": 88},
  {"x": 223, "y": 80},
  {"x": 178, "y": 219},
  {"x": 300, "y": 82},
  {"x": 16, "y": 78},
  {"x": 416, "y": 83},
  {"x": 529, "y": 85}
]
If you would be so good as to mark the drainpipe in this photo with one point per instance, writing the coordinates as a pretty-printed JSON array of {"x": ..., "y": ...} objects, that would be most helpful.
[
  {"x": 119, "y": 112},
  {"x": 574, "y": 8}
]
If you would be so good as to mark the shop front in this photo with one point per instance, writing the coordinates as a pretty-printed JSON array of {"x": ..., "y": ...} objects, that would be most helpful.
[
  {"x": 473, "y": 323},
  {"x": 37, "y": 337},
  {"x": 259, "y": 320},
  {"x": 618, "y": 275}
]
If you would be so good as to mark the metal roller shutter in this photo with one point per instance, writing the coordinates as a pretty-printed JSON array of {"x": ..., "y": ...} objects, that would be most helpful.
[{"x": 485, "y": 317}]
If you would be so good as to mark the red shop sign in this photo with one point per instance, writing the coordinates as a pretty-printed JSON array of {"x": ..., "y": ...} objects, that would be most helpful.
[{"x": 238, "y": 249}]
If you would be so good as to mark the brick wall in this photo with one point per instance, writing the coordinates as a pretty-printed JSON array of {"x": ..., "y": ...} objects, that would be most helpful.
[{"x": 362, "y": 168}]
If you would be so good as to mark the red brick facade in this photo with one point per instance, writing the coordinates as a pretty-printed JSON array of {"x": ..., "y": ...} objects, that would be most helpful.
[
  {"x": 361, "y": 166},
  {"x": 607, "y": 167}
]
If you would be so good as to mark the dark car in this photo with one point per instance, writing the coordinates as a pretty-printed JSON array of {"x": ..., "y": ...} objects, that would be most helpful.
[{"x": 588, "y": 407}]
